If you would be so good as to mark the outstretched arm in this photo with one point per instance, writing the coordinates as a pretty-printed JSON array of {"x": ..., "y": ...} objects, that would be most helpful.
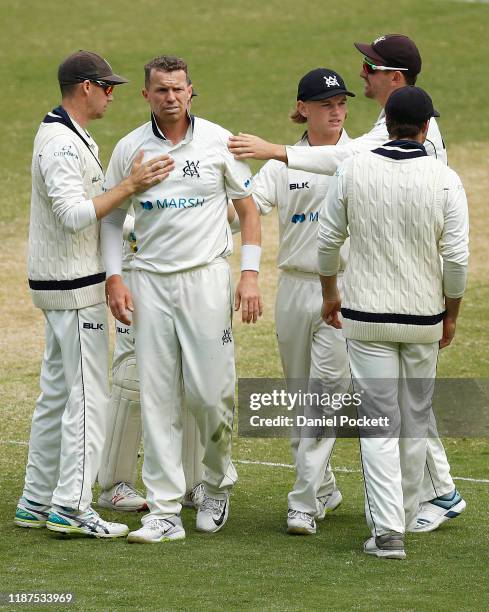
[{"x": 245, "y": 146}]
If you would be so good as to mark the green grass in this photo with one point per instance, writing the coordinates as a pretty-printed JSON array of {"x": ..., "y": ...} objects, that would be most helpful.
[{"x": 245, "y": 61}]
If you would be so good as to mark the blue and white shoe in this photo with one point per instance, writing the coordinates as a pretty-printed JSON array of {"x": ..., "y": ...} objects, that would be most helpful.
[
  {"x": 433, "y": 513},
  {"x": 31, "y": 514},
  {"x": 88, "y": 522}
]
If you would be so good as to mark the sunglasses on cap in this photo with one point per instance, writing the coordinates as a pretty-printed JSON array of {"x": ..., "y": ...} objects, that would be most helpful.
[
  {"x": 371, "y": 68},
  {"x": 107, "y": 87}
]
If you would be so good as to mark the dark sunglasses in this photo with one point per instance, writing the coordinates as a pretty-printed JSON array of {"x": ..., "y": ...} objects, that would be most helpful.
[{"x": 107, "y": 87}]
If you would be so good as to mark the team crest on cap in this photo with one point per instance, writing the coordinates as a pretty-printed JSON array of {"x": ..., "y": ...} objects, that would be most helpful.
[
  {"x": 331, "y": 81},
  {"x": 379, "y": 39}
]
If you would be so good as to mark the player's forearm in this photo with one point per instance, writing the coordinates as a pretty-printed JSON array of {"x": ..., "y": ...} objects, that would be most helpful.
[
  {"x": 74, "y": 215},
  {"x": 111, "y": 242},
  {"x": 329, "y": 286},
  {"x": 454, "y": 279},
  {"x": 452, "y": 307},
  {"x": 108, "y": 201},
  {"x": 320, "y": 160},
  {"x": 249, "y": 221}
]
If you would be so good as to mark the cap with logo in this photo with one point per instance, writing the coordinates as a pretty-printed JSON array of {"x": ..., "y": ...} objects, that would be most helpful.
[
  {"x": 87, "y": 66},
  {"x": 393, "y": 50},
  {"x": 320, "y": 84},
  {"x": 410, "y": 105}
]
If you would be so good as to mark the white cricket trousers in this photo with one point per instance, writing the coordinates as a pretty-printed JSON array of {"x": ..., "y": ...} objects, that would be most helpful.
[
  {"x": 124, "y": 427},
  {"x": 309, "y": 349},
  {"x": 69, "y": 421},
  {"x": 393, "y": 466},
  {"x": 184, "y": 347}
]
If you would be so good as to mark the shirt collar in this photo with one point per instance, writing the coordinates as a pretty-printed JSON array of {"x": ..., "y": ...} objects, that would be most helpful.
[
  {"x": 401, "y": 149},
  {"x": 159, "y": 134},
  {"x": 59, "y": 115}
]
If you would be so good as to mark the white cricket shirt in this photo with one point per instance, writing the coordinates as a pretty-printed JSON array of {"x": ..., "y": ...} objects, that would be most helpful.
[
  {"x": 181, "y": 223},
  {"x": 298, "y": 197}
]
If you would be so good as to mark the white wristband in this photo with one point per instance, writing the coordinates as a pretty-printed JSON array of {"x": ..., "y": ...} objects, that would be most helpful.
[{"x": 250, "y": 257}]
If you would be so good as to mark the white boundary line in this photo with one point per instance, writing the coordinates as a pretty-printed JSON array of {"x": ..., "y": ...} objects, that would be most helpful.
[
  {"x": 342, "y": 469},
  {"x": 288, "y": 466}
]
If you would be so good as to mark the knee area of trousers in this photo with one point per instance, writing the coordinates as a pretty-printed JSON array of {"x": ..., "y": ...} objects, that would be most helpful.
[{"x": 127, "y": 379}]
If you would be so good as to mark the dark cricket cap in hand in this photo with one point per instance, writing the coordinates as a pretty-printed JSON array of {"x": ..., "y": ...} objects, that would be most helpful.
[
  {"x": 410, "y": 105},
  {"x": 320, "y": 84},
  {"x": 393, "y": 50},
  {"x": 87, "y": 66}
]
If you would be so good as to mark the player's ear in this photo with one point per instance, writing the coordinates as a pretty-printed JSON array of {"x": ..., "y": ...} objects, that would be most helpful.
[
  {"x": 302, "y": 108},
  {"x": 144, "y": 92}
]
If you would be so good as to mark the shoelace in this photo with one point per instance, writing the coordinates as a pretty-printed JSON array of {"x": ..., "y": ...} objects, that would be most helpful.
[
  {"x": 197, "y": 491},
  {"x": 123, "y": 488},
  {"x": 302, "y": 515},
  {"x": 212, "y": 504},
  {"x": 158, "y": 524}
]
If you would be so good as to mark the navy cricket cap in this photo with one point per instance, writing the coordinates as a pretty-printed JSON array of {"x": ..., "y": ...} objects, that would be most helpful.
[
  {"x": 320, "y": 84},
  {"x": 87, "y": 66},
  {"x": 410, "y": 105},
  {"x": 393, "y": 50}
]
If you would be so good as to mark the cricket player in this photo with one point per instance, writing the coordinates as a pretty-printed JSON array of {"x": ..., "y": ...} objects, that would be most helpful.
[
  {"x": 399, "y": 305},
  {"x": 66, "y": 279},
  {"x": 392, "y": 61},
  {"x": 309, "y": 349},
  {"x": 118, "y": 471},
  {"x": 182, "y": 296}
]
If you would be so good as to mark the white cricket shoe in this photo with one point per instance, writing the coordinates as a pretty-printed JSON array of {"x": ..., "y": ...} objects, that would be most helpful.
[
  {"x": 87, "y": 522},
  {"x": 212, "y": 514},
  {"x": 31, "y": 514},
  {"x": 300, "y": 523},
  {"x": 195, "y": 497},
  {"x": 328, "y": 503},
  {"x": 122, "y": 497},
  {"x": 387, "y": 546},
  {"x": 432, "y": 514},
  {"x": 158, "y": 530}
]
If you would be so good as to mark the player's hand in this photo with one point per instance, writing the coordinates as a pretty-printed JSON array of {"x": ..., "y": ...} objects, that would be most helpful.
[
  {"x": 150, "y": 173},
  {"x": 119, "y": 299},
  {"x": 248, "y": 297},
  {"x": 330, "y": 311},
  {"x": 449, "y": 325},
  {"x": 245, "y": 146}
]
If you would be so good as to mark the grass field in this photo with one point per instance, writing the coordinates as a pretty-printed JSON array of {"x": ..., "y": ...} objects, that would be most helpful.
[{"x": 245, "y": 60}]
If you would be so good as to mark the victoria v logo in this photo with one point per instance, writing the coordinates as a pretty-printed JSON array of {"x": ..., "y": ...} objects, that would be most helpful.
[{"x": 191, "y": 169}]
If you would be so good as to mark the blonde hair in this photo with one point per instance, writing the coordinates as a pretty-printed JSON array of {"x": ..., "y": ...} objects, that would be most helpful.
[{"x": 296, "y": 117}]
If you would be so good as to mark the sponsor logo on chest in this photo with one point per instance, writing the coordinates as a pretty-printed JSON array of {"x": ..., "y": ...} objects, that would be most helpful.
[
  {"x": 304, "y": 185},
  {"x": 301, "y": 217},
  {"x": 192, "y": 202}
]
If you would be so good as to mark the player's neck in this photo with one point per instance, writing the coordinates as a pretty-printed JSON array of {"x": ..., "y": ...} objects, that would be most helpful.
[
  {"x": 75, "y": 112},
  {"x": 317, "y": 139},
  {"x": 174, "y": 131}
]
